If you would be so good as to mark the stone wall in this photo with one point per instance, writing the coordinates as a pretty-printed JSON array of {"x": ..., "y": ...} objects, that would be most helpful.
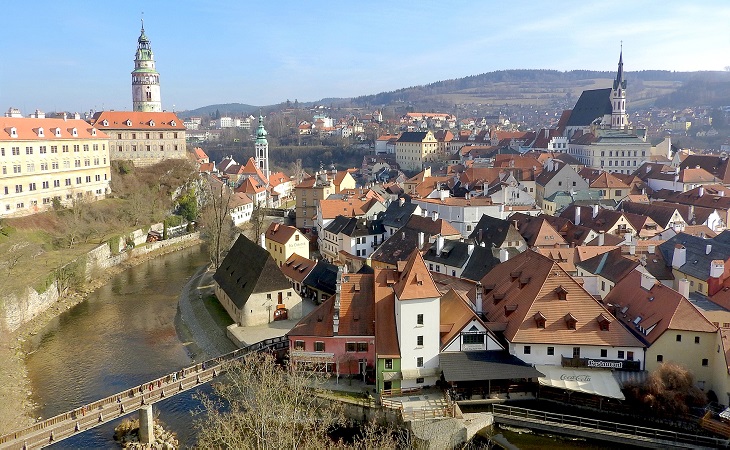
[{"x": 18, "y": 309}]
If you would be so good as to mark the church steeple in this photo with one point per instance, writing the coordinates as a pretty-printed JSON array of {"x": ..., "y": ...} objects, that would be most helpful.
[
  {"x": 145, "y": 78},
  {"x": 262, "y": 148},
  {"x": 619, "y": 119}
]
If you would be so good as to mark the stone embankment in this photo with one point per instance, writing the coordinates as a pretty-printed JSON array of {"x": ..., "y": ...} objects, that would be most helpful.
[
  {"x": 127, "y": 434},
  {"x": 16, "y": 409}
]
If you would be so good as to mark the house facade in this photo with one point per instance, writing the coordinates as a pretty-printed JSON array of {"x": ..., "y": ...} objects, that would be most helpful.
[{"x": 283, "y": 241}]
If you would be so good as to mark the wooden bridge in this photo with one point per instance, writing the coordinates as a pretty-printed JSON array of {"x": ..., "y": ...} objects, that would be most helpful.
[
  {"x": 91, "y": 415},
  {"x": 601, "y": 430}
]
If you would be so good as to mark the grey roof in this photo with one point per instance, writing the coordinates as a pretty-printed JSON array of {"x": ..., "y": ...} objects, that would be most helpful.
[
  {"x": 454, "y": 253},
  {"x": 338, "y": 224},
  {"x": 591, "y": 105},
  {"x": 484, "y": 365},
  {"x": 490, "y": 230},
  {"x": 481, "y": 262},
  {"x": 610, "y": 265},
  {"x": 398, "y": 246},
  {"x": 397, "y": 215},
  {"x": 248, "y": 269},
  {"x": 354, "y": 226},
  {"x": 412, "y": 136},
  {"x": 322, "y": 277},
  {"x": 698, "y": 261}
]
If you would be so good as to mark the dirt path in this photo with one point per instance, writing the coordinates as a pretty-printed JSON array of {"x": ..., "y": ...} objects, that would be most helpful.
[{"x": 16, "y": 406}]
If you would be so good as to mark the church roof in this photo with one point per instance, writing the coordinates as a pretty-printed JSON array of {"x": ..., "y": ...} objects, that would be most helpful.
[{"x": 591, "y": 105}]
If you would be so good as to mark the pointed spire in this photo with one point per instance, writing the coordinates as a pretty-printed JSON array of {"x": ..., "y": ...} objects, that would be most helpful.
[{"x": 620, "y": 83}]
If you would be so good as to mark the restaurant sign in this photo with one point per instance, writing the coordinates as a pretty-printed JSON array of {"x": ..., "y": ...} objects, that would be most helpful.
[{"x": 603, "y": 364}]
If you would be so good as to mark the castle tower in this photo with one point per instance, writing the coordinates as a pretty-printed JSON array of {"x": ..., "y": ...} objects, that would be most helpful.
[
  {"x": 145, "y": 79},
  {"x": 619, "y": 118},
  {"x": 262, "y": 149}
]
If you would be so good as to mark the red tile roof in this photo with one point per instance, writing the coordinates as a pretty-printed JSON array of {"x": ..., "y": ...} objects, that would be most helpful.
[
  {"x": 415, "y": 280},
  {"x": 29, "y": 129},
  {"x": 138, "y": 120}
]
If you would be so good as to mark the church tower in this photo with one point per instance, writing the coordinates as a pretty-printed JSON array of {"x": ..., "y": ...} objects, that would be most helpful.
[
  {"x": 145, "y": 79},
  {"x": 619, "y": 118},
  {"x": 262, "y": 149}
]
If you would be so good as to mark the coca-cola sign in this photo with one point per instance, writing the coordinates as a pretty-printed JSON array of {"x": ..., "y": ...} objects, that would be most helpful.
[{"x": 579, "y": 378}]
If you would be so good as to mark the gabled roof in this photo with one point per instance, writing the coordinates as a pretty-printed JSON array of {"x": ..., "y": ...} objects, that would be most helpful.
[
  {"x": 415, "y": 280},
  {"x": 139, "y": 120},
  {"x": 455, "y": 315},
  {"x": 396, "y": 214},
  {"x": 386, "y": 335},
  {"x": 716, "y": 165},
  {"x": 248, "y": 269},
  {"x": 454, "y": 253},
  {"x": 698, "y": 260},
  {"x": 251, "y": 169},
  {"x": 539, "y": 232},
  {"x": 660, "y": 213},
  {"x": 322, "y": 277},
  {"x": 413, "y": 136},
  {"x": 528, "y": 284},
  {"x": 481, "y": 262},
  {"x": 297, "y": 267},
  {"x": 649, "y": 313},
  {"x": 250, "y": 186},
  {"x": 281, "y": 233},
  {"x": 492, "y": 231},
  {"x": 610, "y": 265},
  {"x": 591, "y": 105},
  {"x": 30, "y": 128},
  {"x": 352, "y": 207}
]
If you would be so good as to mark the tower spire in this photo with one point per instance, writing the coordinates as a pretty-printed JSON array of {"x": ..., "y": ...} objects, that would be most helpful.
[
  {"x": 145, "y": 78},
  {"x": 619, "y": 119}
]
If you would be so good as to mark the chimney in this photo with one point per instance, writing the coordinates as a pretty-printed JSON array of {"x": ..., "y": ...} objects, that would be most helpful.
[
  {"x": 701, "y": 191},
  {"x": 401, "y": 201},
  {"x": 717, "y": 268},
  {"x": 683, "y": 287},
  {"x": 595, "y": 211},
  {"x": 439, "y": 245},
  {"x": 424, "y": 213},
  {"x": 647, "y": 281},
  {"x": 336, "y": 312},
  {"x": 262, "y": 241},
  {"x": 601, "y": 238},
  {"x": 443, "y": 194},
  {"x": 421, "y": 239},
  {"x": 478, "y": 297},
  {"x": 470, "y": 248},
  {"x": 708, "y": 249},
  {"x": 435, "y": 215},
  {"x": 577, "y": 215},
  {"x": 503, "y": 255},
  {"x": 679, "y": 258}
]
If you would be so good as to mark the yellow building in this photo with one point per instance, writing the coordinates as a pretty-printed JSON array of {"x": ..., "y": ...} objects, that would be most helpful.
[
  {"x": 283, "y": 241},
  {"x": 42, "y": 159},
  {"x": 414, "y": 148},
  {"x": 309, "y": 192}
]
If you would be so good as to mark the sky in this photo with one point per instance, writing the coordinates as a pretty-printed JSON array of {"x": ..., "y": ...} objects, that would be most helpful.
[{"x": 77, "y": 55}]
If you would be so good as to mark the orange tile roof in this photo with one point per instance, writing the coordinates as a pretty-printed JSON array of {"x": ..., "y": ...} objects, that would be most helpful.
[
  {"x": 656, "y": 310},
  {"x": 415, "y": 280},
  {"x": 297, "y": 267},
  {"x": 200, "y": 153},
  {"x": 278, "y": 178},
  {"x": 206, "y": 167},
  {"x": 529, "y": 284},
  {"x": 455, "y": 316},
  {"x": 607, "y": 181},
  {"x": 117, "y": 120},
  {"x": 281, "y": 233},
  {"x": 239, "y": 199},
  {"x": 251, "y": 169},
  {"x": 250, "y": 186},
  {"x": 29, "y": 128},
  {"x": 352, "y": 207}
]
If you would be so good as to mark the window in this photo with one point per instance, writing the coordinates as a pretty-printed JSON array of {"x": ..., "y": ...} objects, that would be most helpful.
[
  {"x": 420, "y": 380},
  {"x": 18, "y": 188},
  {"x": 6, "y": 190},
  {"x": 419, "y": 341},
  {"x": 620, "y": 354},
  {"x": 56, "y": 183},
  {"x": 299, "y": 345},
  {"x": 527, "y": 350},
  {"x": 350, "y": 347},
  {"x": 697, "y": 339},
  {"x": 679, "y": 338},
  {"x": 319, "y": 346},
  {"x": 604, "y": 353},
  {"x": 362, "y": 346},
  {"x": 419, "y": 319},
  {"x": 630, "y": 356},
  {"x": 419, "y": 361},
  {"x": 388, "y": 363},
  {"x": 576, "y": 352},
  {"x": 76, "y": 148},
  {"x": 659, "y": 358},
  {"x": 46, "y": 185},
  {"x": 28, "y": 150},
  {"x": 705, "y": 362},
  {"x": 551, "y": 351},
  {"x": 473, "y": 339}
]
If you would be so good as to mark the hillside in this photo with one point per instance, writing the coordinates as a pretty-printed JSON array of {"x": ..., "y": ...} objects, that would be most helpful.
[{"x": 223, "y": 108}]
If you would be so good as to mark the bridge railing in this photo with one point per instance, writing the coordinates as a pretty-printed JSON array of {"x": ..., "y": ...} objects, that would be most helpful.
[
  {"x": 213, "y": 367},
  {"x": 567, "y": 421}
]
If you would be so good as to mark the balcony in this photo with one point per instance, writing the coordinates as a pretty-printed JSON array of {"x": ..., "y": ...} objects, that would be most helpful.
[{"x": 597, "y": 363}]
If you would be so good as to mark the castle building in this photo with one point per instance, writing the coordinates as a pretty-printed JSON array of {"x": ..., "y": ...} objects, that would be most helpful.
[
  {"x": 45, "y": 159},
  {"x": 145, "y": 78},
  {"x": 146, "y": 135}
]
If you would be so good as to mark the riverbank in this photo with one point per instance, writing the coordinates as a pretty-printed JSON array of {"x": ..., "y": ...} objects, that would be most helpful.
[{"x": 17, "y": 409}]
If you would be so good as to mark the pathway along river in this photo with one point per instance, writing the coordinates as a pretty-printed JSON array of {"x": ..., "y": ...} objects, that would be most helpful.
[{"x": 123, "y": 335}]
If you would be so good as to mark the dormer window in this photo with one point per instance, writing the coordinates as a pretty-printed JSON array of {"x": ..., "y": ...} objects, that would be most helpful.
[
  {"x": 57, "y": 132},
  {"x": 539, "y": 319},
  {"x": 509, "y": 309},
  {"x": 498, "y": 297},
  {"x": 13, "y": 132},
  {"x": 604, "y": 323},
  {"x": 172, "y": 123},
  {"x": 41, "y": 133},
  {"x": 515, "y": 275},
  {"x": 74, "y": 132},
  {"x": 93, "y": 131},
  {"x": 561, "y": 293},
  {"x": 524, "y": 281},
  {"x": 570, "y": 321},
  {"x": 128, "y": 123},
  {"x": 105, "y": 123},
  {"x": 152, "y": 123}
]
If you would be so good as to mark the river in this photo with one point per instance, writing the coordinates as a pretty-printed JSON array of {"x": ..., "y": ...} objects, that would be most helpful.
[{"x": 121, "y": 336}]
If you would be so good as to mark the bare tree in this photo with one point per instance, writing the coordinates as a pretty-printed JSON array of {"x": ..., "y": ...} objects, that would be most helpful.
[
  {"x": 216, "y": 219},
  {"x": 255, "y": 226}
]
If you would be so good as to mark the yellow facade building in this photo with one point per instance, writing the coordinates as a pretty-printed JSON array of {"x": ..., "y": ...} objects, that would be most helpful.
[
  {"x": 283, "y": 241},
  {"x": 46, "y": 158},
  {"x": 414, "y": 148}
]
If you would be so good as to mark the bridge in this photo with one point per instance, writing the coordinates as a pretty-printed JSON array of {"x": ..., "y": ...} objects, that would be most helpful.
[
  {"x": 138, "y": 398},
  {"x": 602, "y": 430}
]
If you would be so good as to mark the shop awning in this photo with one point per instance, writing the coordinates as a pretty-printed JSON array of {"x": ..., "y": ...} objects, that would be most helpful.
[
  {"x": 588, "y": 381},
  {"x": 484, "y": 366}
]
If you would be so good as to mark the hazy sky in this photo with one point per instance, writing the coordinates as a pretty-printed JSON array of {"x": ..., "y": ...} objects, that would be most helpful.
[{"x": 74, "y": 55}]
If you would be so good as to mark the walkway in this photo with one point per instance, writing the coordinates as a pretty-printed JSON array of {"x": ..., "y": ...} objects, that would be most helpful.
[
  {"x": 128, "y": 401},
  {"x": 602, "y": 430}
]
